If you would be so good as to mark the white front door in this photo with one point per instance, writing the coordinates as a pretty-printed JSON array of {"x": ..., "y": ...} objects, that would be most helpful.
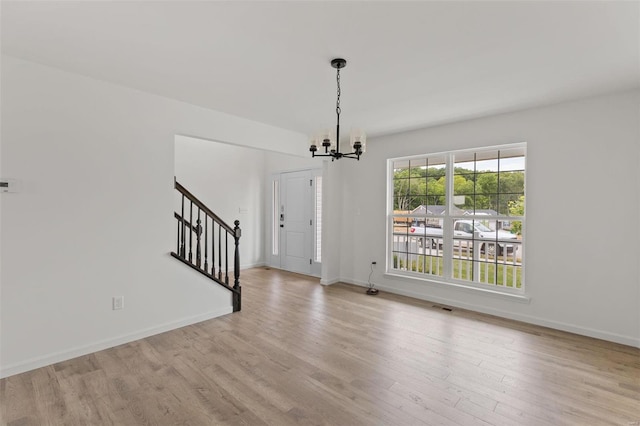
[{"x": 296, "y": 221}]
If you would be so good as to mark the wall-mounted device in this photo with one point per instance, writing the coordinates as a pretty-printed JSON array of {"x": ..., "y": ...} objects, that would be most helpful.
[{"x": 8, "y": 185}]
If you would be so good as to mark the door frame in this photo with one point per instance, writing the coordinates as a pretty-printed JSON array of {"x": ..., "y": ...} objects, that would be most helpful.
[{"x": 275, "y": 238}]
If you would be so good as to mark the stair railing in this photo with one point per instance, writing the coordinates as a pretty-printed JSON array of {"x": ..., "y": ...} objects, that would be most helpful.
[{"x": 193, "y": 248}]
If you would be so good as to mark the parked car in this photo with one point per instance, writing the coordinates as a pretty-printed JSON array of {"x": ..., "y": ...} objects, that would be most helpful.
[
  {"x": 491, "y": 239},
  {"x": 432, "y": 235},
  {"x": 465, "y": 232}
]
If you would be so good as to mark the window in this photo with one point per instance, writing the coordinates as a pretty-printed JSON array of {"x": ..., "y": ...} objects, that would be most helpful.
[
  {"x": 458, "y": 217},
  {"x": 318, "y": 220},
  {"x": 275, "y": 217}
]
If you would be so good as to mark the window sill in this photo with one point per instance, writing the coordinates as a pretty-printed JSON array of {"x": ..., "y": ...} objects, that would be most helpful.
[{"x": 515, "y": 297}]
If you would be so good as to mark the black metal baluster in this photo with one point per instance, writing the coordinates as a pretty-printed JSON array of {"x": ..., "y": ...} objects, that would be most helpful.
[
  {"x": 191, "y": 233},
  {"x": 226, "y": 257},
  {"x": 178, "y": 239},
  {"x": 213, "y": 247},
  {"x": 181, "y": 252},
  {"x": 198, "y": 232},
  {"x": 206, "y": 246},
  {"x": 236, "y": 267},
  {"x": 219, "y": 252}
]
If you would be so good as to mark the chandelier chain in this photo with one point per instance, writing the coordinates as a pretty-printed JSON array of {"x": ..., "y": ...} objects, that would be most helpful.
[{"x": 338, "y": 110}]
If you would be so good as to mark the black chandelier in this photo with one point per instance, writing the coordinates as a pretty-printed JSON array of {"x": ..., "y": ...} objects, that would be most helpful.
[{"x": 330, "y": 141}]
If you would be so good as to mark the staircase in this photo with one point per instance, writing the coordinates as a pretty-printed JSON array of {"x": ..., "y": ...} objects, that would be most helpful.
[{"x": 204, "y": 244}]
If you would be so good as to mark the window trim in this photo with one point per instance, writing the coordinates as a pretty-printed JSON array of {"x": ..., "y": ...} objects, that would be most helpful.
[
  {"x": 495, "y": 292},
  {"x": 448, "y": 235}
]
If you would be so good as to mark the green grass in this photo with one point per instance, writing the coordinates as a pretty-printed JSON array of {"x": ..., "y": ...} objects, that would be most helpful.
[
  {"x": 428, "y": 265},
  {"x": 463, "y": 270},
  {"x": 487, "y": 273}
]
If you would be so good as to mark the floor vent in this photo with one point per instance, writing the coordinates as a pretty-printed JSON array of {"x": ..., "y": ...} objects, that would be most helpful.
[{"x": 444, "y": 308}]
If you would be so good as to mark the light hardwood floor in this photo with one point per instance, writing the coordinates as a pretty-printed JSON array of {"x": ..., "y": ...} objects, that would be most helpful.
[{"x": 302, "y": 353}]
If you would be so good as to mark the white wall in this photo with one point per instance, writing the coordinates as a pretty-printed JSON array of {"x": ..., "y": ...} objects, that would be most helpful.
[
  {"x": 335, "y": 189},
  {"x": 229, "y": 180},
  {"x": 95, "y": 217},
  {"x": 277, "y": 163},
  {"x": 582, "y": 248}
]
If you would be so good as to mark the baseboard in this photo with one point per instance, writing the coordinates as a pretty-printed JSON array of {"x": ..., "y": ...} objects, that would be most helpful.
[
  {"x": 43, "y": 361},
  {"x": 571, "y": 328},
  {"x": 252, "y": 265},
  {"x": 329, "y": 281}
]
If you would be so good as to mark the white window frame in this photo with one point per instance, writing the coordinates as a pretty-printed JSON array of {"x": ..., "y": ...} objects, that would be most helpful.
[{"x": 448, "y": 220}]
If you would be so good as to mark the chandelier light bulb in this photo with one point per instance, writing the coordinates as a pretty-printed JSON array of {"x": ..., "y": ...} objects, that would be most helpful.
[{"x": 358, "y": 141}]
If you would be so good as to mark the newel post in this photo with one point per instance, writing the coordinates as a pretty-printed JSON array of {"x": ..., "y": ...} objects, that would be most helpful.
[{"x": 236, "y": 267}]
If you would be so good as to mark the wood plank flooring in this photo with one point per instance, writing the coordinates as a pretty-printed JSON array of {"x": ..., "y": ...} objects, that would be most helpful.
[{"x": 303, "y": 354}]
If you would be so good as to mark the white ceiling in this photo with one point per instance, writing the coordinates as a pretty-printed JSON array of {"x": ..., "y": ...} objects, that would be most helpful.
[{"x": 410, "y": 64}]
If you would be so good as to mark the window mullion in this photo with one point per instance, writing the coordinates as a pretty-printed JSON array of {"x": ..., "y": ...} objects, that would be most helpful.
[{"x": 447, "y": 225}]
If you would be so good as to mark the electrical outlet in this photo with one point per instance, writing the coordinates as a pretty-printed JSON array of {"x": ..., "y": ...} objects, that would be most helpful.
[{"x": 118, "y": 303}]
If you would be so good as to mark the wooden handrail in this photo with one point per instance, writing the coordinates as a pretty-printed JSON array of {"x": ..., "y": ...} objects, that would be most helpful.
[{"x": 204, "y": 208}]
